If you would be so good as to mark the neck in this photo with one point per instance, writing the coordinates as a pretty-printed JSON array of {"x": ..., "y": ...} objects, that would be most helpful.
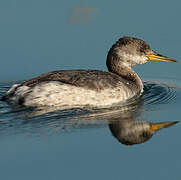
[{"x": 115, "y": 65}]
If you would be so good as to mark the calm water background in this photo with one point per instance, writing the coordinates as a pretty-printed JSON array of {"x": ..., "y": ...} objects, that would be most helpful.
[{"x": 38, "y": 36}]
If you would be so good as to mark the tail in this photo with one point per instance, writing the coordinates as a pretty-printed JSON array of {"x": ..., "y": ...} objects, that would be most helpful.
[
  {"x": 4, "y": 98},
  {"x": 10, "y": 92}
]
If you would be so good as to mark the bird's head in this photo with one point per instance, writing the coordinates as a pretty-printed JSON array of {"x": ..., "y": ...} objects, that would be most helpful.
[{"x": 131, "y": 51}]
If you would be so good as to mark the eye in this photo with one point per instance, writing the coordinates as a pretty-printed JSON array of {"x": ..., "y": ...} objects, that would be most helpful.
[{"x": 142, "y": 50}]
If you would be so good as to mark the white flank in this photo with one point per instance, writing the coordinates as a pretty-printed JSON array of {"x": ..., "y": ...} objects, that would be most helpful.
[{"x": 59, "y": 94}]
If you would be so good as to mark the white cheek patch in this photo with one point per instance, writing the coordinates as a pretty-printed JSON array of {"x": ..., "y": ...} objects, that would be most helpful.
[
  {"x": 137, "y": 59},
  {"x": 132, "y": 59}
]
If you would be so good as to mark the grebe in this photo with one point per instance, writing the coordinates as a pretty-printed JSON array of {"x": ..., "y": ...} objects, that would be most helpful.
[{"x": 89, "y": 87}]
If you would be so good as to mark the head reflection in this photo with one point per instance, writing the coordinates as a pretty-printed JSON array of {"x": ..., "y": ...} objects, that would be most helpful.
[{"x": 130, "y": 132}]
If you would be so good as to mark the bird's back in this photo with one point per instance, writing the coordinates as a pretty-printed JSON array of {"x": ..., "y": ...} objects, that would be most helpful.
[{"x": 88, "y": 79}]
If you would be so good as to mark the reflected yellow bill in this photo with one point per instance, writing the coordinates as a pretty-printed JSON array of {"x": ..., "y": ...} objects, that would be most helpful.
[{"x": 158, "y": 126}]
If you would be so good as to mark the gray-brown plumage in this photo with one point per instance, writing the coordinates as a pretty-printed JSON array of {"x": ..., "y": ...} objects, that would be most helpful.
[{"x": 89, "y": 79}]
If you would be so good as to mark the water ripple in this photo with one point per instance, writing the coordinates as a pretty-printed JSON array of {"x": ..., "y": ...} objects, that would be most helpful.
[{"x": 159, "y": 93}]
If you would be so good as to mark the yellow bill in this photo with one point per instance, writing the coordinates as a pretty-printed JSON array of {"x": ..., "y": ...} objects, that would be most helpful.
[
  {"x": 158, "y": 57},
  {"x": 158, "y": 126}
]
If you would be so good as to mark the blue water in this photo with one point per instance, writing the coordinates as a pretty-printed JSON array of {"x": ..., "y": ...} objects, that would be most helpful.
[{"x": 43, "y": 35}]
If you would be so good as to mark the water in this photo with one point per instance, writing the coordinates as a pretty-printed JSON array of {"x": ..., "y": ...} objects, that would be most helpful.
[
  {"x": 41, "y": 36},
  {"x": 81, "y": 141}
]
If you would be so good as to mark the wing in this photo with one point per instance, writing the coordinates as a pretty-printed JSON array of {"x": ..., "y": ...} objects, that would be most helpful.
[{"x": 90, "y": 79}]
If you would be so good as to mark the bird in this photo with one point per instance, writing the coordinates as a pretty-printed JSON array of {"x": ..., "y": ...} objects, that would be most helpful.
[{"x": 95, "y": 88}]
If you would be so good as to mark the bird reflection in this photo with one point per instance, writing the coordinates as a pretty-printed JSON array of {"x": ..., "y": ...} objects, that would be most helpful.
[{"x": 125, "y": 126}]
